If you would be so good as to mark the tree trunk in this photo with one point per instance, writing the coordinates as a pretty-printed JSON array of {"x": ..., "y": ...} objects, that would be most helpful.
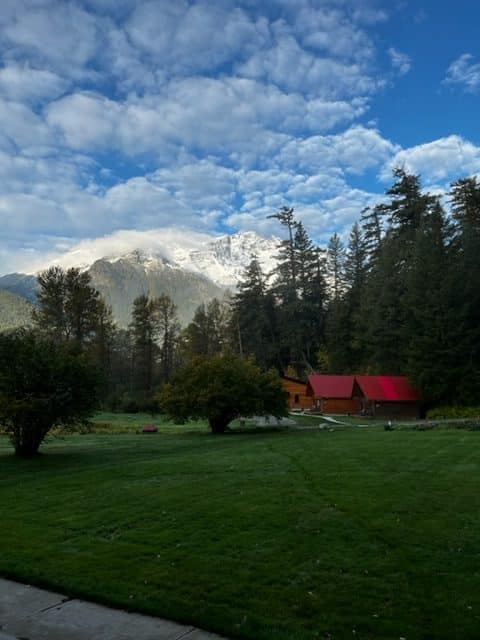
[
  {"x": 219, "y": 424},
  {"x": 27, "y": 440},
  {"x": 26, "y": 448}
]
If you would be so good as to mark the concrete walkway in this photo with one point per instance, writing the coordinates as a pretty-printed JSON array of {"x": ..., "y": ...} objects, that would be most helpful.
[{"x": 28, "y": 613}]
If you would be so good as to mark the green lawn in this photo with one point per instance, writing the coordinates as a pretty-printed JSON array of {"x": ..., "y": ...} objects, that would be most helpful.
[{"x": 352, "y": 533}]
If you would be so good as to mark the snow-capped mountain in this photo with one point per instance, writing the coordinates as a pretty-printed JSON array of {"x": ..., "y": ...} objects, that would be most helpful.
[
  {"x": 222, "y": 260},
  {"x": 191, "y": 268}
]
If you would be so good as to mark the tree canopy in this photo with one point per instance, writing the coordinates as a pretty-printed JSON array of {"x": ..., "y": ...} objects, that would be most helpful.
[
  {"x": 42, "y": 384},
  {"x": 221, "y": 389}
]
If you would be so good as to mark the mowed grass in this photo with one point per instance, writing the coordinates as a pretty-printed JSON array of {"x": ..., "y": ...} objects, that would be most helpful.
[{"x": 352, "y": 533}]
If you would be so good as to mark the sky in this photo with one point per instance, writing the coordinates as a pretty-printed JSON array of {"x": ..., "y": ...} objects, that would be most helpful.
[{"x": 208, "y": 116}]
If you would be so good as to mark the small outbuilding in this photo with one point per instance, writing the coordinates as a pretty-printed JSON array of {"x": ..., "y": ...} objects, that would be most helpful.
[
  {"x": 390, "y": 397},
  {"x": 333, "y": 394},
  {"x": 297, "y": 393}
]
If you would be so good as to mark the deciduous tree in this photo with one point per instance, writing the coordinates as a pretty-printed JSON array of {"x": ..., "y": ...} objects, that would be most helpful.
[
  {"x": 221, "y": 389},
  {"x": 42, "y": 384}
]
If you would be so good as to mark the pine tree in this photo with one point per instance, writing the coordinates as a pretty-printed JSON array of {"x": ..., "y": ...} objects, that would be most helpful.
[
  {"x": 253, "y": 319},
  {"x": 168, "y": 329},
  {"x": 144, "y": 330},
  {"x": 69, "y": 307},
  {"x": 335, "y": 263},
  {"x": 371, "y": 222},
  {"x": 286, "y": 281},
  {"x": 207, "y": 334},
  {"x": 346, "y": 342},
  {"x": 49, "y": 316},
  {"x": 384, "y": 308},
  {"x": 306, "y": 318},
  {"x": 434, "y": 337},
  {"x": 465, "y": 198},
  {"x": 408, "y": 205}
]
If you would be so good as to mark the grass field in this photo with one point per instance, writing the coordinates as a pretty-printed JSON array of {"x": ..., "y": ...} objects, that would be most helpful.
[{"x": 352, "y": 533}]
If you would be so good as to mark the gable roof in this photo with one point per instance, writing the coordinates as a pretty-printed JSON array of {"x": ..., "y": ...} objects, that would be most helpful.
[
  {"x": 387, "y": 388},
  {"x": 331, "y": 386}
]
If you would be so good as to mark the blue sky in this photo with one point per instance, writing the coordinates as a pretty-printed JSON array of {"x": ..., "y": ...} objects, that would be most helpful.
[{"x": 210, "y": 115}]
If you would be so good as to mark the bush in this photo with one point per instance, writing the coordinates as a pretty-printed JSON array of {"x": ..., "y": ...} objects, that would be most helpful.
[
  {"x": 452, "y": 413},
  {"x": 42, "y": 384}
]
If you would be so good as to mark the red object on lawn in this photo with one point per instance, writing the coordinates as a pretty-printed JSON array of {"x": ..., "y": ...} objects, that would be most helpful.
[{"x": 150, "y": 428}]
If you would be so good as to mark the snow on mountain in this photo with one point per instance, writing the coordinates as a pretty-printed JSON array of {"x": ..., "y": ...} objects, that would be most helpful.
[
  {"x": 221, "y": 259},
  {"x": 191, "y": 268},
  {"x": 224, "y": 259}
]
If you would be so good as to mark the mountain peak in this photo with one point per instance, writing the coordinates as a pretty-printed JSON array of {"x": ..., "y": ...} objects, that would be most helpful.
[{"x": 221, "y": 259}]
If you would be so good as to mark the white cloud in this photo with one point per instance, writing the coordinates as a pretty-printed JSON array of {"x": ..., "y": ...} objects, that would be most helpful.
[
  {"x": 401, "y": 62},
  {"x": 22, "y": 83},
  {"x": 67, "y": 253},
  {"x": 321, "y": 219},
  {"x": 330, "y": 30},
  {"x": 353, "y": 151},
  {"x": 139, "y": 114},
  {"x": 25, "y": 129},
  {"x": 465, "y": 72},
  {"x": 88, "y": 121},
  {"x": 449, "y": 157},
  {"x": 292, "y": 68},
  {"x": 56, "y": 33},
  {"x": 239, "y": 117},
  {"x": 187, "y": 37}
]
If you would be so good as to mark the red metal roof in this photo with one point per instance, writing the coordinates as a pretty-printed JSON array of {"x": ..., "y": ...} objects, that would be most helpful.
[
  {"x": 387, "y": 388},
  {"x": 331, "y": 386}
]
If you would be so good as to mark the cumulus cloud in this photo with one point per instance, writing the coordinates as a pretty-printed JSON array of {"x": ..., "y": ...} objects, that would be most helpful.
[
  {"x": 292, "y": 68},
  {"x": 353, "y": 151},
  {"x": 56, "y": 33},
  {"x": 236, "y": 116},
  {"x": 212, "y": 114},
  {"x": 20, "y": 82},
  {"x": 440, "y": 159},
  {"x": 188, "y": 37},
  {"x": 87, "y": 121},
  {"x": 465, "y": 72},
  {"x": 330, "y": 30},
  {"x": 25, "y": 129}
]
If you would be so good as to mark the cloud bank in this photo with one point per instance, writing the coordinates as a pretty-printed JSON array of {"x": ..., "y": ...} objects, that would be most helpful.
[{"x": 129, "y": 115}]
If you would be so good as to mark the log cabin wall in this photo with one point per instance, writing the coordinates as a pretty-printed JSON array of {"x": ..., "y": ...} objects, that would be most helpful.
[
  {"x": 340, "y": 405},
  {"x": 297, "y": 394},
  {"x": 397, "y": 410}
]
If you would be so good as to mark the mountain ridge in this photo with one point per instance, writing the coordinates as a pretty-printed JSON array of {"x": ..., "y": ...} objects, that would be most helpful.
[{"x": 190, "y": 273}]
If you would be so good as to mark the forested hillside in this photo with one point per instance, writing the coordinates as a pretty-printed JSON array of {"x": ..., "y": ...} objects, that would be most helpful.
[{"x": 15, "y": 311}]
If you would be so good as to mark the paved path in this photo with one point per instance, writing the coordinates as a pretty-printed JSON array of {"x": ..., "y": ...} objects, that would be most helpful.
[{"x": 28, "y": 613}]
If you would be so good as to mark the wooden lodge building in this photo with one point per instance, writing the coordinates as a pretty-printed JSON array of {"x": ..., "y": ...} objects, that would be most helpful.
[
  {"x": 333, "y": 394},
  {"x": 297, "y": 393},
  {"x": 389, "y": 397}
]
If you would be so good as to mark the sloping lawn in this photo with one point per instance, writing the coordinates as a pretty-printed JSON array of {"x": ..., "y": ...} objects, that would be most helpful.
[{"x": 307, "y": 534}]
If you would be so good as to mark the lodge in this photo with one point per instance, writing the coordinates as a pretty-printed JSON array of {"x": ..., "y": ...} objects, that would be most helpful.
[
  {"x": 389, "y": 397},
  {"x": 297, "y": 393}
]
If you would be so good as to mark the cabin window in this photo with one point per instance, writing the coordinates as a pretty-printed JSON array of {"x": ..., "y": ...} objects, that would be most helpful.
[{"x": 297, "y": 398}]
